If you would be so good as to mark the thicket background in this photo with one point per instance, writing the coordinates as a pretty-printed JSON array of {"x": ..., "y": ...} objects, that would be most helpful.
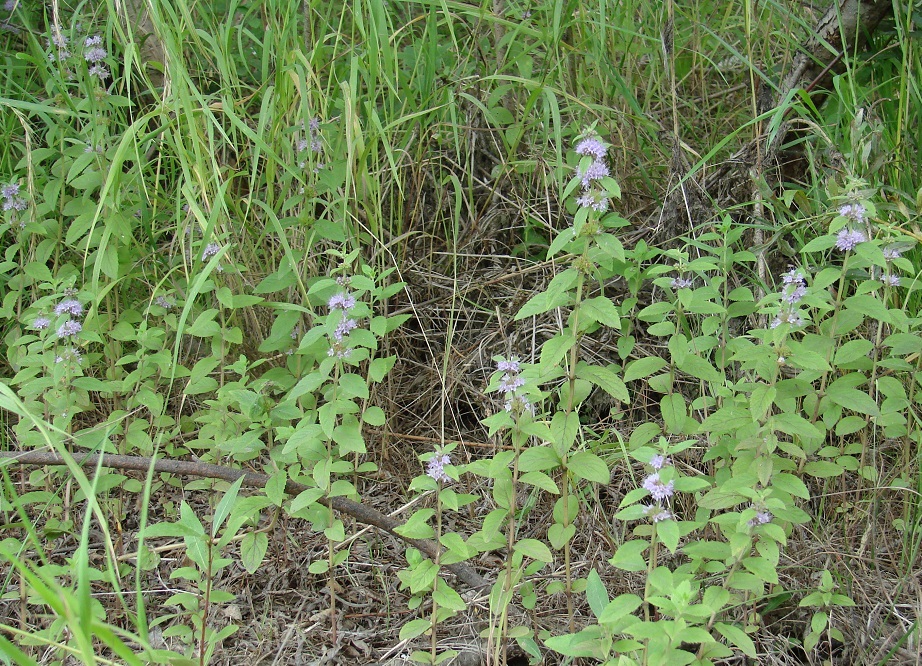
[{"x": 186, "y": 186}]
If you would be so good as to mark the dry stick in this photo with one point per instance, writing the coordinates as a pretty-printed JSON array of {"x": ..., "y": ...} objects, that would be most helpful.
[{"x": 361, "y": 512}]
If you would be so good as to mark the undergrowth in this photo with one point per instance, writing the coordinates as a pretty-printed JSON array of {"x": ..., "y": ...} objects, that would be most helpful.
[{"x": 424, "y": 256}]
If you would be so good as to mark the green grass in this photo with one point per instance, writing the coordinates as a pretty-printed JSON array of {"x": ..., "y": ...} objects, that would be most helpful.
[{"x": 443, "y": 133}]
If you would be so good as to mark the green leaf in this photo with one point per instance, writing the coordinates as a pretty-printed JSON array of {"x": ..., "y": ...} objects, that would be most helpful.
[
  {"x": 668, "y": 532},
  {"x": 379, "y": 367},
  {"x": 601, "y": 310},
  {"x": 622, "y": 605},
  {"x": 534, "y": 549},
  {"x": 540, "y": 480},
  {"x": 629, "y": 556},
  {"x": 672, "y": 408},
  {"x": 417, "y": 526},
  {"x": 853, "y": 350},
  {"x": 761, "y": 400},
  {"x": 554, "y": 350},
  {"x": 823, "y": 469},
  {"x": 762, "y": 568},
  {"x": 559, "y": 535},
  {"x": 853, "y": 399},
  {"x": 354, "y": 386},
  {"x": 305, "y": 499},
  {"x": 643, "y": 367},
  {"x": 414, "y": 628},
  {"x": 791, "y": 484},
  {"x": 596, "y": 593},
  {"x": 222, "y": 511},
  {"x": 446, "y": 597},
  {"x": 696, "y": 366},
  {"x": 555, "y": 296},
  {"x": 738, "y": 638},
  {"x": 869, "y": 306},
  {"x": 253, "y": 548},
  {"x": 586, "y": 643},
  {"x": 538, "y": 458},
  {"x": 589, "y": 466},
  {"x": 604, "y": 378}
]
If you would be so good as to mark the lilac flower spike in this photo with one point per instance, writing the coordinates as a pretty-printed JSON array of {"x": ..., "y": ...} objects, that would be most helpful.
[
  {"x": 591, "y": 146},
  {"x": 210, "y": 250},
  {"x": 680, "y": 283},
  {"x": 342, "y": 301},
  {"x": 11, "y": 198},
  {"x": 892, "y": 253},
  {"x": 762, "y": 517},
  {"x": 658, "y": 461},
  {"x": 657, "y": 489},
  {"x": 70, "y": 306},
  {"x": 594, "y": 200},
  {"x": 41, "y": 323},
  {"x": 848, "y": 239},
  {"x": 69, "y": 329},
  {"x": 658, "y": 514},
  {"x": 595, "y": 171},
  {"x": 510, "y": 366},
  {"x": 344, "y": 327},
  {"x": 892, "y": 280},
  {"x": 435, "y": 468},
  {"x": 853, "y": 211}
]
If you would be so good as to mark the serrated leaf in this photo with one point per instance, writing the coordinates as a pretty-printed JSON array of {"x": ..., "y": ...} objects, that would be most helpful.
[
  {"x": 604, "y": 378},
  {"x": 672, "y": 408},
  {"x": 601, "y": 310},
  {"x": 853, "y": 399},
  {"x": 762, "y": 568}
]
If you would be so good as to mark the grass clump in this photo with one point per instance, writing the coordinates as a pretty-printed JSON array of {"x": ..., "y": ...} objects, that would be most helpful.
[{"x": 621, "y": 332}]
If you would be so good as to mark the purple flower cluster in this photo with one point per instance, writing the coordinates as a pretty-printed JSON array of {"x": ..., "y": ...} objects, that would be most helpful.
[
  {"x": 312, "y": 142},
  {"x": 11, "y": 198},
  {"x": 853, "y": 211},
  {"x": 680, "y": 283},
  {"x": 6, "y": 24},
  {"x": 511, "y": 384},
  {"x": 94, "y": 54},
  {"x": 658, "y": 490},
  {"x": 58, "y": 45},
  {"x": 848, "y": 239},
  {"x": 763, "y": 516},
  {"x": 210, "y": 250},
  {"x": 435, "y": 468},
  {"x": 892, "y": 253},
  {"x": 343, "y": 301},
  {"x": 593, "y": 196},
  {"x": 792, "y": 292}
]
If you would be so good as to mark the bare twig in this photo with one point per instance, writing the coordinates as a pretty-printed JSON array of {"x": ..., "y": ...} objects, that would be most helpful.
[{"x": 361, "y": 512}]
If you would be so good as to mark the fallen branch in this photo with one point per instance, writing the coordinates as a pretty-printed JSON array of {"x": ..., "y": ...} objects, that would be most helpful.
[{"x": 362, "y": 513}]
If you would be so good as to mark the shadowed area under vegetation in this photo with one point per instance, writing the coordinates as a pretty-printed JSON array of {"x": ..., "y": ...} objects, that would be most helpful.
[{"x": 460, "y": 332}]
